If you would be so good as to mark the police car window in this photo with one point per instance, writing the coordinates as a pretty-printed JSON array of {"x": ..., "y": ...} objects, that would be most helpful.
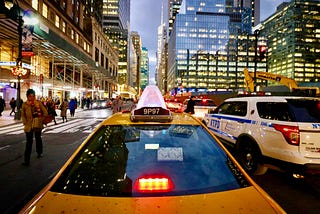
[
  {"x": 224, "y": 108},
  {"x": 305, "y": 110},
  {"x": 274, "y": 111},
  {"x": 238, "y": 109}
]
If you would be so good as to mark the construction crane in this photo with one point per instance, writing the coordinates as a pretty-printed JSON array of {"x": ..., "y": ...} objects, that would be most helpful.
[{"x": 290, "y": 83}]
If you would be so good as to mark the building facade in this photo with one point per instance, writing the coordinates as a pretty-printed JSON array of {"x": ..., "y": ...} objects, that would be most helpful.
[
  {"x": 116, "y": 26},
  {"x": 210, "y": 44},
  {"x": 293, "y": 33},
  {"x": 60, "y": 57},
  {"x": 144, "y": 68}
]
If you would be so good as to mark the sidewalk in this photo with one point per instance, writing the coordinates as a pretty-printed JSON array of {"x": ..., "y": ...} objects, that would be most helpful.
[{"x": 6, "y": 119}]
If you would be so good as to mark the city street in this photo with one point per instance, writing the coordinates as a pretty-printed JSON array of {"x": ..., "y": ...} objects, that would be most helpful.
[{"x": 20, "y": 183}]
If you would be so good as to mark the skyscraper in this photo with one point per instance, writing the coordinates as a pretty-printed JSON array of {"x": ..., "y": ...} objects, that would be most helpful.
[
  {"x": 293, "y": 33},
  {"x": 204, "y": 52},
  {"x": 115, "y": 23}
]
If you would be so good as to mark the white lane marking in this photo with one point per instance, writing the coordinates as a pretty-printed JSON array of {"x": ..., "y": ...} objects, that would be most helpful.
[
  {"x": 67, "y": 127},
  {"x": 4, "y": 147},
  {"x": 11, "y": 128}
]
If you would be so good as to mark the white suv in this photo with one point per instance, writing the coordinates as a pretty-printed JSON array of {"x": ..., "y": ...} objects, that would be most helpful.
[{"x": 269, "y": 132}]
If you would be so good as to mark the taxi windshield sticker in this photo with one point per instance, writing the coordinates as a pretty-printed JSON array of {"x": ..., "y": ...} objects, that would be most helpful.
[
  {"x": 151, "y": 146},
  {"x": 170, "y": 154}
]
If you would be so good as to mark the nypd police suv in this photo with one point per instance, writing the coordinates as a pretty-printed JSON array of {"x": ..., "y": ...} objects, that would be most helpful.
[{"x": 270, "y": 132}]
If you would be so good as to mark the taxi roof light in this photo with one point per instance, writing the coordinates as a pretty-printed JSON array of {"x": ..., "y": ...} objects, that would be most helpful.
[
  {"x": 151, "y": 97},
  {"x": 151, "y": 107}
]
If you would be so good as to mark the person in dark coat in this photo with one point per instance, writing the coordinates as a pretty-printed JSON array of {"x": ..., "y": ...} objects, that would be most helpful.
[
  {"x": 2, "y": 105},
  {"x": 190, "y": 105},
  {"x": 51, "y": 106},
  {"x": 13, "y": 105}
]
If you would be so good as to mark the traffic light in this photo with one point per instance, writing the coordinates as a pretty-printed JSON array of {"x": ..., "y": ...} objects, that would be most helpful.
[{"x": 262, "y": 52}]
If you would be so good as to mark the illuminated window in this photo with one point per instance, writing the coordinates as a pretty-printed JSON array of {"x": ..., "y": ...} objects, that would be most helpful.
[
  {"x": 77, "y": 38},
  {"x": 57, "y": 22},
  {"x": 45, "y": 10},
  {"x": 63, "y": 26},
  {"x": 35, "y": 4},
  {"x": 72, "y": 34}
]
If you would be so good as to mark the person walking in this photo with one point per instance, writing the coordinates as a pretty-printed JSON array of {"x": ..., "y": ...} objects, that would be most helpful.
[
  {"x": 2, "y": 105},
  {"x": 116, "y": 105},
  {"x": 13, "y": 105},
  {"x": 190, "y": 105},
  {"x": 51, "y": 107},
  {"x": 64, "y": 107},
  {"x": 72, "y": 107},
  {"x": 32, "y": 110}
]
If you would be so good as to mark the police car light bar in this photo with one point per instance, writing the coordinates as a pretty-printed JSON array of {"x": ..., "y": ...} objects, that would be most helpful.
[{"x": 151, "y": 107}]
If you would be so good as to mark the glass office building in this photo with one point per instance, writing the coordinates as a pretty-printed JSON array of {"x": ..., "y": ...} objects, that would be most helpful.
[
  {"x": 210, "y": 44},
  {"x": 293, "y": 33}
]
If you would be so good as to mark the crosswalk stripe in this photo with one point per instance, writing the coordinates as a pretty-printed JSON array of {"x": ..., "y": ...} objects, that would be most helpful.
[
  {"x": 71, "y": 126},
  {"x": 6, "y": 129}
]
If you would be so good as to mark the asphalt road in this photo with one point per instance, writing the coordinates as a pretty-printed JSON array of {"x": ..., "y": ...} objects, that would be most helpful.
[{"x": 19, "y": 183}]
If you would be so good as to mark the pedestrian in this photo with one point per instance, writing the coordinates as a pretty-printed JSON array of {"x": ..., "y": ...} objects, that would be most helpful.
[
  {"x": 115, "y": 105},
  {"x": 72, "y": 107},
  {"x": 88, "y": 103},
  {"x": 121, "y": 103},
  {"x": 2, "y": 105},
  {"x": 131, "y": 105},
  {"x": 190, "y": 105},
  {"x": 51, "y": 107},
  {"x": 64, "y": 107},
  {"x": 32, "y": 111},
  {"x": 13, "y": 105}
]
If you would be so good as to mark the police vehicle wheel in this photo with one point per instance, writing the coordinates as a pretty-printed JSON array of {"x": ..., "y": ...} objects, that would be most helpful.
[{"x": 249, "y": 158}]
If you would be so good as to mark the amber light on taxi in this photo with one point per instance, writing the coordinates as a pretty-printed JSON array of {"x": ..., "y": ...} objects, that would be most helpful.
[{"x": 153, "y": 184}]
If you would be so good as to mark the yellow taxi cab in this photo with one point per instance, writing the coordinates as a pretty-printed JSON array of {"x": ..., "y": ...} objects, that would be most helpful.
[{"x": 151, "y": 160}]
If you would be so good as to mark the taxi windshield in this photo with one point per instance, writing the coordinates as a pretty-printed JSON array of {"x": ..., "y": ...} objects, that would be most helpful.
[{"x": 116, "y": 156}]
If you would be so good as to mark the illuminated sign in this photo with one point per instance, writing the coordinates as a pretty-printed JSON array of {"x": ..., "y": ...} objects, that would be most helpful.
[{"x": 13, "y": 63}]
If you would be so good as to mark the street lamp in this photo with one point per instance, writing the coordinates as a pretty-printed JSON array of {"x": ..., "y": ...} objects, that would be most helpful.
[{"x": 18, "y": 70}]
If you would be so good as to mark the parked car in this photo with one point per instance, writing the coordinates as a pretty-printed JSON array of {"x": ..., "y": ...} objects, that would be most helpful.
[
  {"x": 174, "y": 106},
  {"x": 271, "y": 132},
  {"x": 152, "y": 160},
  {"x": 98, "y": 104},
  {"x": 202, "y": 106}
]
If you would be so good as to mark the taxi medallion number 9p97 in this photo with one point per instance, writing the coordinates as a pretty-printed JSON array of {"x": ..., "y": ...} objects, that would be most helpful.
[{"x": 151, "y": 111}]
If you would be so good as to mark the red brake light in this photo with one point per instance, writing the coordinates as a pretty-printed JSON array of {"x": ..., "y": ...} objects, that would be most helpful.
[
  {"x": 290, "y": 133},
  {"x": 151, "y": 184},
  {"x": 204, "y": 100}
]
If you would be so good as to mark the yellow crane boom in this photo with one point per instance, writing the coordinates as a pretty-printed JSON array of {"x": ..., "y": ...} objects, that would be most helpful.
[{"x": 290, "y": 83}]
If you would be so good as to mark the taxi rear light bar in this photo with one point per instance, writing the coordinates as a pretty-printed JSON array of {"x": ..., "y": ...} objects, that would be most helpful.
[{"x": 153, "y": 184}]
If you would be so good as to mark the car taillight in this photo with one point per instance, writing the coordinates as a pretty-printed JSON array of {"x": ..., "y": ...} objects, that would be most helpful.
[
  {"x": 290, "y": 133},
  {"x": 151, "y": 184}
]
